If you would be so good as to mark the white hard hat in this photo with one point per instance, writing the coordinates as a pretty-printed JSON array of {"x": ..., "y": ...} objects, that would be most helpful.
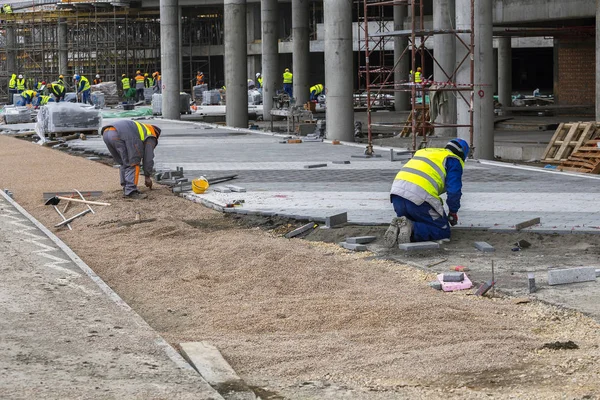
[
  {"x": 20, "y": 76},
  {"x": 257, "y": 74},
  {"x": 97, "y": 76}
]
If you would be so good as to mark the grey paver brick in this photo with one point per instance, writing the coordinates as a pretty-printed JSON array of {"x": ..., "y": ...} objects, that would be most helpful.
[
  {"x": 419, "y": 246},
  {"x": 485, "y": 247},
  {"x": 453, "y": 276},
  {"x": 571, "y": 275},
  {"x": 353, "y": 246},
  {"x": 361, "y": 239},
  {"x": 335, "y": 220}
]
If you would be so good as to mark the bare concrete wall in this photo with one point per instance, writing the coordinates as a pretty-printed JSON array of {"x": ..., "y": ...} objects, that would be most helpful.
[{"x": 511, "y": 11}]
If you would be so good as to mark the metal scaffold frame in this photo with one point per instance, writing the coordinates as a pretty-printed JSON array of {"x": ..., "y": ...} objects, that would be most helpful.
[
  {"x": 379, "y": 76},
  {"x": 100, "y": 39}
]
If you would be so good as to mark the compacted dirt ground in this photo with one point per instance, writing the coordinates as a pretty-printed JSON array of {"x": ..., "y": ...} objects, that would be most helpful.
[{"x": 300, "y": 319}]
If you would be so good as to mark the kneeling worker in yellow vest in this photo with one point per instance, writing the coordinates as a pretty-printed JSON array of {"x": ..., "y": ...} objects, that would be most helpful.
[
  {"x": 416, "y": 194},
  {"x": 130, "y": 143}
]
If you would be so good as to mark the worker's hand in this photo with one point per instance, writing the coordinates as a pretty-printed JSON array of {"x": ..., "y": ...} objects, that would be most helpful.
[
  {"x": 453, "y": 218},
  {"x": 148, "y": 182}
]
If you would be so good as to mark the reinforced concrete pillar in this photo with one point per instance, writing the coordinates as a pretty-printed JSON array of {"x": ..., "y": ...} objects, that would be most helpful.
[
  {"x": 270, "y": 54},
  {"x": 483, "y": 104},
  {"x": 170, "y": 58},
  {"x": 444, "y": 51},
  {"x": 235, "y": 63},
  {"x": 63, "y": 48},
  {"x": 253, "y": 32},
  {"x": 401, "y": 99},
  {"x": 597, "y": 61},
  {"x": 504, "y": 72},
  {"x": 11, "y": 51},
  {"x": 300, "y": 50},
  {"x": 339, "y": 74}
]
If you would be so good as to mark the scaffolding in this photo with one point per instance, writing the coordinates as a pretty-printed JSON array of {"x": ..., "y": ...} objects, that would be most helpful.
[
  {"x": 91, "y": 38},
  {"x": 378, "y": 72}
]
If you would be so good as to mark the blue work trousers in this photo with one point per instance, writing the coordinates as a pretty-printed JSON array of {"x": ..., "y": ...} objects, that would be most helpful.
[
  {"x": 85, "y": 97},
  {"x": 428, "y": 224},
  {"x": 289, "y": 89},
  {"x": 314, "y": 96}
]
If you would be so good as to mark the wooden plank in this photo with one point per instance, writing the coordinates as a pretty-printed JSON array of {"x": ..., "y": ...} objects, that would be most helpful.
[
  {"x": 555, "y": 137},
  {"x": 209, "y": 362},
  {"x": 585, "y": 136},
  {"x": 560, "y": 153}
]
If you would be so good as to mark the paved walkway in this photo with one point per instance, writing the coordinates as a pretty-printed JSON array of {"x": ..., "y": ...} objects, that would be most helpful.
[
  {"x": 65, "y": 336},
  {"x": 495, "y": 195}
]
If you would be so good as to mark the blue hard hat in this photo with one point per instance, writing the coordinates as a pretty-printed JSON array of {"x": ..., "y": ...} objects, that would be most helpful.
[
  {"x": 459, "y": 147},
  {"x": 76, "y": 77}
]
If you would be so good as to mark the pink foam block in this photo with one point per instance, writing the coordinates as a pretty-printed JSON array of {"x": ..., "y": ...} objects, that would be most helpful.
[{"x": 452, "y": 286}]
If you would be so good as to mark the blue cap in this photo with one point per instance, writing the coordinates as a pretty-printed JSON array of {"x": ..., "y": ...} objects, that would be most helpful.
[{"x": 459, "y": 147}]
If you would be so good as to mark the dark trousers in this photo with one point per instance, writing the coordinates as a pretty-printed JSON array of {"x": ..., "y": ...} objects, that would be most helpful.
[{"x": 428, "y": 224}]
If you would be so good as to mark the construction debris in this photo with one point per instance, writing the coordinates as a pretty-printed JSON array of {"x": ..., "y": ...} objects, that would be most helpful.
[
  {"x": 454, "y": 285},
  {"x": 567, "y": 139},
  {"x": 586, "y": 159},
  {"x": 301, "y": 230},
  {"x": 484, "y": 288},
  {"x": 527, "y": 224}
]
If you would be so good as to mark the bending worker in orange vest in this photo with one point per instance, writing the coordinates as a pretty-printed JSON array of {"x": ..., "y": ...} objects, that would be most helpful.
[{"x": 130, "y": 142}]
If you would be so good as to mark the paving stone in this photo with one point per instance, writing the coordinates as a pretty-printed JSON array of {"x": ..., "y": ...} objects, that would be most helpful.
[
  {"x": 453, "y": 276},
  {"x": 365, "y": 156},
  {"x": 353, "y": 246},
  {"x": 485, "y": 247},
  {"x": 484, "y": 288},
  {"x": 237, "y": 189},
  {"x": 340, "y": 162},
  {"x": 301, "y": 230},
  {"x": 527, "y": 224},
  {"x": 361, "y": 239},
  {"x": 419, "y": 246},
  {"x": 315, "y": 166},
  {"x": 435, "y": 285},
  {"x": 221, "y": 189},
  {"x": 571, "y": 275},
  {"x": 335, "y": 220},
  {"x": 597, "y": 271}
]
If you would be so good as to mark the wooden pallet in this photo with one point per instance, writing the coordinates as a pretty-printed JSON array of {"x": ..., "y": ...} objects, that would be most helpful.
[
  {"x": 407, "y": 129},
  {"x": 586, "y": 159},
  {"x": 567, "y": 139}
]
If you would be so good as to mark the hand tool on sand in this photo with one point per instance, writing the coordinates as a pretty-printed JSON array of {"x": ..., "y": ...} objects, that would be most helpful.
[
  {"x": 56, "y": 199},
  {"x": 53, "y": 203}
]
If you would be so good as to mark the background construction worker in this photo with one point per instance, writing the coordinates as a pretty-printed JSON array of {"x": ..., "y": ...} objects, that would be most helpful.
[
  {"x": 148, "y": 81},
  {"x": 199, "y": 78},
  {"x": 416, "y": 194},
  {"x": 20, "y": 84},
  {"x": 97, "y": 79},
  {"x": 139, "y": 86},
  {"x": 259, "y": 80},
  {"x": 126, "y": 85},
  {"x": 45, "y": 100},
  {"x": 288, "y": 80},
  {"x": 82, "y": 85},
  {"x": 29, "y": 95},
  {"x": 7, "y": 9},
  {"x": 130, "y": 143},
  {"x": 315, "y": 91},
  {"x": 12, "y": 88},
  {"x": 40, "y": 86},
  {"x": 58, "y": 91},
  {"x": 157, "y": 82},
  {"x": 61, "y": 80}
]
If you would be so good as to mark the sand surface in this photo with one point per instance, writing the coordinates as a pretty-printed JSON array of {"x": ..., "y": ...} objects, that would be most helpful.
[{"x": 305, "y": 319}]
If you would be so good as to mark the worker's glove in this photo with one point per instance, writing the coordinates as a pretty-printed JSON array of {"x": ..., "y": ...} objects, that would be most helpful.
[
  {"x": 148, "y": 182},
  {"x": 453, "y": 218}
]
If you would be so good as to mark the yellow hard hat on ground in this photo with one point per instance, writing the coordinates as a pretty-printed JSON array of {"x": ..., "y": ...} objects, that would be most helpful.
[{"x": 199, "y": 185}]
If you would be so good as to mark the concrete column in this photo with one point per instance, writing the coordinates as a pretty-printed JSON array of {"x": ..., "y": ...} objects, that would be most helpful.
[
  {"x": 63, "y": 48},
  {"x": 235, "y": 63},
  {"x": 504, "y": 72},
  {"x": 170, "y": 58},
  {"x": 401, "y": 99},
  {"x": 597, "y": 60},
  {"x": 463, "y": 74},
  {"x": 339, "y": 73},
  {"x": 301, "y": 50},
  {"x": 11, "y": 51},
  {"x": 270, "y": 54},
  {"x": 483, "y": 104},
  {"x": 444, "y": 48},
  {"x": 180, "y": 35},
  {"x": 253, "y": 32}
]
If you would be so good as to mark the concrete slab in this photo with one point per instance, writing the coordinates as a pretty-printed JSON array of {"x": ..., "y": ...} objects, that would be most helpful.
[
  {"x": 65, "y": 334},
  {"x": 571, "y": 275}
]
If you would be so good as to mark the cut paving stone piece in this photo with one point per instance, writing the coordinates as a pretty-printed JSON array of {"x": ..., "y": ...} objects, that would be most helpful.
[
  {"x": 597, "y": 271},
  {"x": 340, "y": 162},
  {"x": 571, "y": 275},
  {"x": 237, "y": 189},
  {"x": 209, "y": 362},
  {"x": 484, "y": 288},
  {"x": 419, "y": 246},
  {"x": 365, "y": 156},
  {"x": 315, "y": 166},
  {"x": 435, "y": 285},
  {"x": 361, "y": 239},
  {"x": 527, "y": 224},
  {"x": 222, "y": 189},
  {"x": 301, "y": 230},
  {"x": 353, "y": 246},
  {"x": 336, "y": 220},
  {"x": 485, "y": 247},
  {"x": 453, "y": 277}
]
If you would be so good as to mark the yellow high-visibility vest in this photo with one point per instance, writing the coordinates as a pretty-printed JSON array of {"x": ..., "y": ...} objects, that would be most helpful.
[
  {"x": 21, "y": 84},
  {"x": 288, "y": 77},
  {"x": 125, "y": 82},
  {"x": 145, "y": 131},
  {"x": 318, "y": 88},
  {"x": 426, "y": 169},
  {"x": 418, "y": 77}
]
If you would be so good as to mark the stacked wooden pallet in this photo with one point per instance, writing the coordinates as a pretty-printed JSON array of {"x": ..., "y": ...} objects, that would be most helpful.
[
  {"x": 585, "y": 159},
  {"x": 422, "y": 123},
  {"x": 567, "y": 139}
]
